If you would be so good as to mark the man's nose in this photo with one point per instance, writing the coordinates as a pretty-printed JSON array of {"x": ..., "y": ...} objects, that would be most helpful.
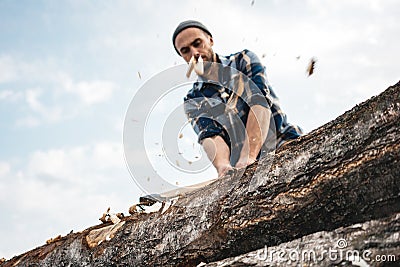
[{"x": 194, "y": 53}]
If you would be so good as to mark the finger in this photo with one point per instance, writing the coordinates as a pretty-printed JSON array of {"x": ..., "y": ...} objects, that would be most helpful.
[{"x": 240, "y": 165}]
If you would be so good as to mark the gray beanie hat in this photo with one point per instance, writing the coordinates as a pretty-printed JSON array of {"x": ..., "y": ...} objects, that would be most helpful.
[{"x": 188, "y": 24}]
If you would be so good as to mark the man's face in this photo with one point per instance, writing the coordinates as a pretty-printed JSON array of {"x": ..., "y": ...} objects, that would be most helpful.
[{"x": 194, "y": 42}]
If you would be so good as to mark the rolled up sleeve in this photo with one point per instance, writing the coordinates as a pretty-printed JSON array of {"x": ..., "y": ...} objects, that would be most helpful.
[{"x": 202, "y": 123}]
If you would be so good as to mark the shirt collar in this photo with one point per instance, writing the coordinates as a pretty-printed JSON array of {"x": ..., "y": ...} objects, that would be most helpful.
[{"x": 224, "y": 60}]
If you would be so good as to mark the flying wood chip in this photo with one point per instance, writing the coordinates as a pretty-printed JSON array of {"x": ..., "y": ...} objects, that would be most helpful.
[
  {"x": 311, "y": 66},
  {"x": 52, "y": 240}
]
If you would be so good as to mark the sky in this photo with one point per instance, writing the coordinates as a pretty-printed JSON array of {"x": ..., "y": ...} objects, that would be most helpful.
[{"x": 70, "y": 69}]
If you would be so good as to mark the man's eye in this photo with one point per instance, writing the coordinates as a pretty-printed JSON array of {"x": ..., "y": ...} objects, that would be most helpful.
[
  {"x": 184, "y": 50},
  {"x": 197, "y": 43}
]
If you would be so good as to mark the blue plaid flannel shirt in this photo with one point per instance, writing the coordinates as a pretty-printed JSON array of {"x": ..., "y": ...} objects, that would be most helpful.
[{"x": 206, "y": 95}]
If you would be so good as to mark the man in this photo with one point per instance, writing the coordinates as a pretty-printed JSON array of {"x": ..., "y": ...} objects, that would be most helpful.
[{"x": 232, "y": 91}]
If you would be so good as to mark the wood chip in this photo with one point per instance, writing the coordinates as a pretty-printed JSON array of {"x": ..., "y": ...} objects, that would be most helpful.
[{"x": 311, "y": 66}]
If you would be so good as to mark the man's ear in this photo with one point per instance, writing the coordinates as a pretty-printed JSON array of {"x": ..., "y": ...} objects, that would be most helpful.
[{"x": 211, "y": 41}]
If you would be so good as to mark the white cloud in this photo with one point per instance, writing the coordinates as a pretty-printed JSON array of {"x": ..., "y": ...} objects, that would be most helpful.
[
  {"x": 89, "y": 93},
  {"x": 7, "y": 69},
  {"x": 56, "y": 95},
  {"x": 28, "y": 121},
  {"x": 38, "y": 111},
  {"x": 10, "y": 95},
  {"x": 123, "y": 41},
  {"x": 58, "y": 190},
  {"x": 56, "y": 164},
  {"x": 14, "y": 68},
  {"x": 327, "y": 7},
  {"x": 32, "y": 100},
  {"x": 93, "y": 92},
  {"x": 108, "y": 155},
  {"x": 4, "y": 168},
  {"x": 72, "y": 164},
  {"x": 5, "y": 94}
]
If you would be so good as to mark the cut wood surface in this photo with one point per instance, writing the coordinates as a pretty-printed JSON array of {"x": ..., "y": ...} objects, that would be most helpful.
[{"x": 343, "y": 173}]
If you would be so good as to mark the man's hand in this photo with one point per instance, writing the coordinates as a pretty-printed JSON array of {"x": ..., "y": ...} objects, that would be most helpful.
[
  {"x": 218, "y": 152},
  {"x": 244, "y": 162},
  {"x": 256, "y": 128},
  {"x": 222, "y": 170}
]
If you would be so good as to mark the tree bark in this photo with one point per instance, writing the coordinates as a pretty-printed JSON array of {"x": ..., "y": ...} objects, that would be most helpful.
[
  {"x": 373, "y": 243},
  {"x": 343, "y": 173}
]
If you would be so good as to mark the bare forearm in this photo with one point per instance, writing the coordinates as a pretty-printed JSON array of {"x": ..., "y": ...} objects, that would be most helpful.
[
  {"x": 218, "y": 152},
  {"x": 257, "y": 128}
]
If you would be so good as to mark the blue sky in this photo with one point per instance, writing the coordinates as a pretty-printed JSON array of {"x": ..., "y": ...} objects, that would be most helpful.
[{"x": 69, "y": 69}]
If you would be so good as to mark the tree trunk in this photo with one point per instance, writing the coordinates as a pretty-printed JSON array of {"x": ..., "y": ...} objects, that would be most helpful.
[
  {"x": 374, "y": 243},
  {"x": 345, "y": 172}
]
